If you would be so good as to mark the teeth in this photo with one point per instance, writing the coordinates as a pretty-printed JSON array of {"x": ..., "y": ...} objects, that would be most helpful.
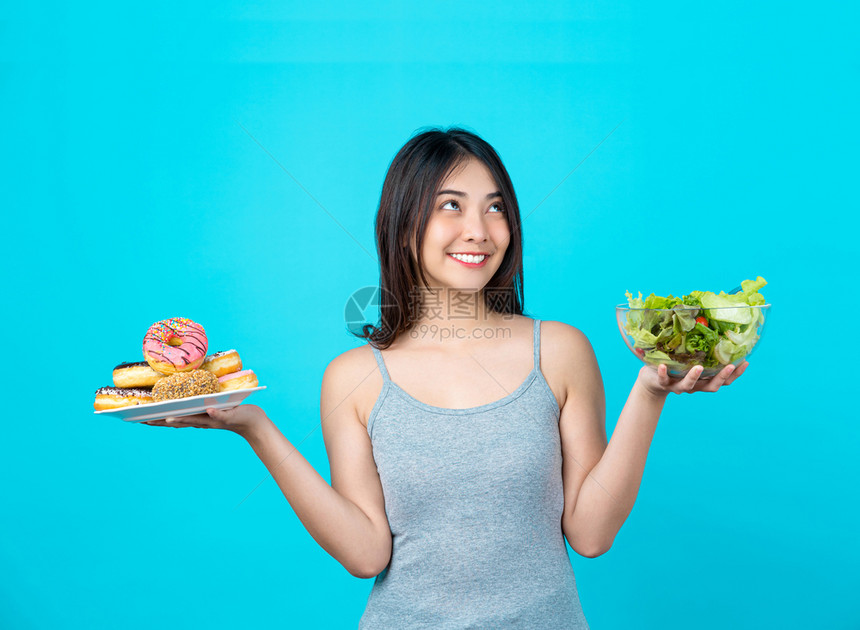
[{"x": 468, "y": 258}]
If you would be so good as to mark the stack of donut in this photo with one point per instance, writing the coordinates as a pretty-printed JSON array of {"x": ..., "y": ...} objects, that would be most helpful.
[{"x": 176, "y": 366}]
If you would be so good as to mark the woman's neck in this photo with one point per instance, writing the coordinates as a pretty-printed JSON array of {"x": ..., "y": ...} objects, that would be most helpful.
[{"x": 456, "y": 318}]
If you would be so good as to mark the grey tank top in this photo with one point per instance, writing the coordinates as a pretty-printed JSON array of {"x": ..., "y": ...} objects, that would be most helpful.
[{"x": 474, "y": 501}]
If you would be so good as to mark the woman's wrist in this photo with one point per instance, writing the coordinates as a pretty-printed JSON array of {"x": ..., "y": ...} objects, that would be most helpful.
[
  {"x": 646, "y": 382},
  {"x": 254, "y": 431}
]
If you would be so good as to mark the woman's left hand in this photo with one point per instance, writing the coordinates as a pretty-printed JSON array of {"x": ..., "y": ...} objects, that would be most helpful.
[{"x": 659, "y": 383}]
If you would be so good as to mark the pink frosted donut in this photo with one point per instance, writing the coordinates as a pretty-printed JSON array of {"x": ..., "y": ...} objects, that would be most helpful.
[
  {"x": 245, "y": 379},
  {"x": 175, "y": 345}
]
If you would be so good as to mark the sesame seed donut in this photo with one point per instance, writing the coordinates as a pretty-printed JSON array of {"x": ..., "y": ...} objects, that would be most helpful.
[
  {"x": 138, "y": 374},
  {"x": 245, "y": 379},
  {"x": 175, "y": 345},
  {"x": 116, "y": 397},
  {"x": 221, "y": 363},
  {"x": 185, "y": 384}
]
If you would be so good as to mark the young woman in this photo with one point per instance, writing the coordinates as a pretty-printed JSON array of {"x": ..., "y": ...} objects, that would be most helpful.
[{"x": 466, "y": 441}]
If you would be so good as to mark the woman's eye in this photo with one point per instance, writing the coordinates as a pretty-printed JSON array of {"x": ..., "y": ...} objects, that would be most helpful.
[{"x": 453, "y": 205}]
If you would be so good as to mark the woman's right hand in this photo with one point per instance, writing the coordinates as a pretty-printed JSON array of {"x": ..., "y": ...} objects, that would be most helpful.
[{"x": 241, "y": 419}]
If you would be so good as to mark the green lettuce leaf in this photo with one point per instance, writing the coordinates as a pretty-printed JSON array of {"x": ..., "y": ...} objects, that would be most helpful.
[
  {"x": 684, "y": 318},
  {"x": 724, "y": 308},
  {"x": 701, "y": 338},
  {"x": 655, "y": 301},
  {"x": 642, "y": 338}
]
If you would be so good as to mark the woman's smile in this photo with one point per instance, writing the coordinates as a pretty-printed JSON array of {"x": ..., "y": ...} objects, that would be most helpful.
[{"x": 470, "y": 260}]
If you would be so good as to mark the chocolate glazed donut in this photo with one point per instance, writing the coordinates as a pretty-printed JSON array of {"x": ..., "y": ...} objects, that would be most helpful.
[
  {"x": 138, "y": 374},
  {"x": 116, "y": 397},
  {"x": 221, "y": 363}
]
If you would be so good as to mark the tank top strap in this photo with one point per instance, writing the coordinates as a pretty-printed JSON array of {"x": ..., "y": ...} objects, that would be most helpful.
[
  {"x": 537, "y": 344},
  {"x": 380, "y": 363}
]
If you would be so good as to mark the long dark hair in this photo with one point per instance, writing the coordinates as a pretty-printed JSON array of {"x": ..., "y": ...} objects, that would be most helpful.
[{"x": 408, "y": 194}]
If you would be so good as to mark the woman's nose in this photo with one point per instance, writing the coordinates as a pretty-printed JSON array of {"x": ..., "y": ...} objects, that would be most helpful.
[{"x": 474, "y": 228}]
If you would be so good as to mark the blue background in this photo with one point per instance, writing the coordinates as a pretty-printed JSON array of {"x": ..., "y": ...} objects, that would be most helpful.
[{"x": 223, "y": 162}]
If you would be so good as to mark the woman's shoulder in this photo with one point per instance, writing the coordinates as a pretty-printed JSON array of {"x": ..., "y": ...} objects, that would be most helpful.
[
  {"x": 562, "y": 334},
  {"x": 564, "y": 345},
  {"x": 352, "y": 359},
  {"x": 353, "y": 376},
  {"x": 567, "y": 358},
  {"x": 557, "y": 338}
]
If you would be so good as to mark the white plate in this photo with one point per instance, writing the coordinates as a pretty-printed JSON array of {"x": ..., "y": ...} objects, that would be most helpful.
[{"x": 180, "y": 406}]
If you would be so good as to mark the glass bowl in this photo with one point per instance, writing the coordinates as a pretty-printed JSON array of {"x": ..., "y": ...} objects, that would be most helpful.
[{"x": 685, "y": 336}]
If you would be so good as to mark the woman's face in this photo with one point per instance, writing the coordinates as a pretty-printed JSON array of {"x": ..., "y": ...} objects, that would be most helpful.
[{"x": 468, "y": 217}]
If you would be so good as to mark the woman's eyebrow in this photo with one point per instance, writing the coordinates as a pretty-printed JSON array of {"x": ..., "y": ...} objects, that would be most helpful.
[{"x": 462, "y": 194}]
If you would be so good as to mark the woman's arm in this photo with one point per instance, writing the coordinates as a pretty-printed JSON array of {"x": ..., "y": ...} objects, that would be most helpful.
[
  {"x": 358, "y": 538},
  {"x": 609, "y": 489},
  {"x": 601, "y": 482},
  {"x": 346, "y": 518}
]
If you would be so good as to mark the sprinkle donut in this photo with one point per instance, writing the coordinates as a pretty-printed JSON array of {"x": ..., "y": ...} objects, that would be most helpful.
[
  {"x": 175, "y": 345},
  {"x": 185, "y": 384}
]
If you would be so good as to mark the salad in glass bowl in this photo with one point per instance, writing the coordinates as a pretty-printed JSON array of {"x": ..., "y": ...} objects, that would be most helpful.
[{"x": 703, "y": 328}]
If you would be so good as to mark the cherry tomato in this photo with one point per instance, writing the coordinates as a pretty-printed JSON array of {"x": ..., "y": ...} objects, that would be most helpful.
[{"x": 702, "y": 321}]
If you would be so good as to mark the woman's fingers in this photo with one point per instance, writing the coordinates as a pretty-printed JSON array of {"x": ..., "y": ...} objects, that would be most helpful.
[
  {"x": 663, "y": 376},
  {"x": 738, "y": 371},
  {"x": 678, "y": 385},
  {"x": 198, "y": 420},
  {"x": 164, "y": 422},
  {"x": 688, "y": 383},
  {"x": 719, "y": 379},
  {"x": 727, "y": 376},
  {"x": 691, "y": 383}
]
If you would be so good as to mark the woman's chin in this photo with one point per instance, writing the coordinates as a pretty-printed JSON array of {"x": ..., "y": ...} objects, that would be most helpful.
[{"x": 464, "y": 288}]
